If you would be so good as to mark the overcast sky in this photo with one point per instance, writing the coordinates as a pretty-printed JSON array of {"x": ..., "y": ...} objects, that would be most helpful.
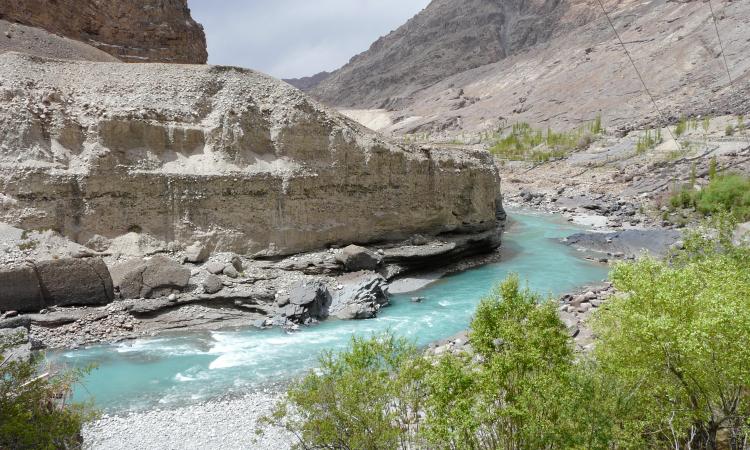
[{"x": 295, "y": 38}]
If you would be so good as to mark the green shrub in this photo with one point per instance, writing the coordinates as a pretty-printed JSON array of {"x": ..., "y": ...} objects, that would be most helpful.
[
  {"x": 729, "y": 131},
  {"x": 33, "y": 412},
  {"x": 649, "y": 140},
  {"x": 726, "y": 193},
  {"x": 363, "y": 398},
  {"x": 678, "y": 339},
  {"x": 682, "y": 127}
]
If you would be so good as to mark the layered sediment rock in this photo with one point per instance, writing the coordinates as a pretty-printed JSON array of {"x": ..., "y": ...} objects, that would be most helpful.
[
  {"x": 133, "y": 31},
  {"x": 228, "y": 157}
]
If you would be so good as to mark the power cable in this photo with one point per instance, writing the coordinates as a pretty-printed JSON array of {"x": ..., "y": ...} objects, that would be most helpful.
[
  {"x": 640, "y": 77},
  {"x": 726, "y": 64}
]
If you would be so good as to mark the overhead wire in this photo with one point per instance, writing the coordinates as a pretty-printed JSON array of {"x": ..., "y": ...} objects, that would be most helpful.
[
  {"x": 640, "y": 76},
  {"x": 726, "y": 64}
]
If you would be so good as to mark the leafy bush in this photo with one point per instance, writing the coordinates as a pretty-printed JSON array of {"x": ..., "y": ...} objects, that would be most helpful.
[
  {"x": 726, "y": 193},
  {"x": 364, "y": 398},
  {"x": 678, "y": 339},
  {"x": 33, "y": 412}
]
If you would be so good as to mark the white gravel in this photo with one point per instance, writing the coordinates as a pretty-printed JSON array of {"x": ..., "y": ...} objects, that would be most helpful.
[{"x": 225, "y": 425}]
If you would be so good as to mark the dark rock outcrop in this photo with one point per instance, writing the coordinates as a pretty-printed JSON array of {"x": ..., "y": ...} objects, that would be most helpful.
[
  {"x": 59, "y": 282},
  {"x": 360, "y": 296},
  {"x": 133, "y": 31},
  {"x": 306, "y": 302},
  {"x": 75, "y": 282},
  {"x": 19, "y": 289}
]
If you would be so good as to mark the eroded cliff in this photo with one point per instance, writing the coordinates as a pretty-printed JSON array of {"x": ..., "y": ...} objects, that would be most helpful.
[
  {"x": 226, "y": 156},
  {"x": 133, "y": 31}
]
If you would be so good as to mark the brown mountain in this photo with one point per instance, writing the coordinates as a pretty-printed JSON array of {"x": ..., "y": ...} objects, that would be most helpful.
[
  {"x": 479, "y": 64},
  {"x": 132, "y": 31}
]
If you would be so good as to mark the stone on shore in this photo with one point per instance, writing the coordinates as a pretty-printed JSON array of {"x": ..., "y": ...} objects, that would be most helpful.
[
  {"x": 75, "y": 282},
  {"x": 356, "y": 258},
  {"x": 360, "y": 297},
  {"x": 150, "y": 278},
  {"x": 197, "y": 253},
  {"x": 212, "y": 284},
  {"x": 306, "y": 301}
]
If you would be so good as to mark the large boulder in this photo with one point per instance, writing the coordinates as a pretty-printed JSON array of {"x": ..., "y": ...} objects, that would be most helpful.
[
  {"x": 19, "y": 289},
  {"x": 306, "y": 301},
  {"x": 75, "y": 282},
  {"x": 197, "y": 253},
  {"x": 360, "y": 296},
  {"x": 149, "y": 278},
  {"x": 356, "y": 258}
]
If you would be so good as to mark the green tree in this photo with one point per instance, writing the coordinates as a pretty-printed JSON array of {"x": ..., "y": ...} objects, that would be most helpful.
[
  {"x": 678, "y": 338},
  {"x": 366, "y": 397},
  {"x": 33, "y": 411},
  {"x": 504, "y": 396}
]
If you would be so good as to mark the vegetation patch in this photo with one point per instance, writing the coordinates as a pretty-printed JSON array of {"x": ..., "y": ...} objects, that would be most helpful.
[
  {"x": 33, "y": 409},
  {"x": 525, "y": 143},
  {"x": 729, "y": 192}
]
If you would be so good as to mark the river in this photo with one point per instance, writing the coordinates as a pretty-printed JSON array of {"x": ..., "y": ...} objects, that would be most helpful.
[{"x": 179, "y": 369}]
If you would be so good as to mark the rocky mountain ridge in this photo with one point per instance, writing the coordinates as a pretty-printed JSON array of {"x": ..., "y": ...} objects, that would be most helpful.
[
  {"x": 564, "y": 66},
  {"x": 132, "y": 31}
]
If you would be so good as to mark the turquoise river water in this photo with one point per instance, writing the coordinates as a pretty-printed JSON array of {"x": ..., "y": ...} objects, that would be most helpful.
[{"x": 173, "y": 370}]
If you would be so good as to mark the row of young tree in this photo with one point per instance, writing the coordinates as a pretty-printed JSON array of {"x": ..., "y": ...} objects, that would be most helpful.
[{"x": 670, "y": 369}]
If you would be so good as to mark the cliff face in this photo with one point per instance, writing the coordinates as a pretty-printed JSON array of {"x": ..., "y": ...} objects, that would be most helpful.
[
  {"x": 446, "y": 38},
  {"x": 133, "y": 31},
  {"x": 226, "y": 156}
]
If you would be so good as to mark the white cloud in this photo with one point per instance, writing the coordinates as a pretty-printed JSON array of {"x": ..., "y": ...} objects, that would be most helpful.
[{"x": 295, "y": 38}]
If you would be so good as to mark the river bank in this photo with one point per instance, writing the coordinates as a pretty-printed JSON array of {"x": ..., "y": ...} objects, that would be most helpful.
[{"x": 221, "y": 424}]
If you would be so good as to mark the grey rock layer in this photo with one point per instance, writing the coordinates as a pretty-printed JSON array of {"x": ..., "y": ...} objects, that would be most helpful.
[{"x": 228, "y": 157}]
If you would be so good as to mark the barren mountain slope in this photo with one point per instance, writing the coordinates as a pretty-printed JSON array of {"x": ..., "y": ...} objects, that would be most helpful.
[
  {"x": 226, "y": 156},
  {"x": 577, "y": 76},
  {"x": 559, "y": 66},
  {"x": 133, "y": 31},
  {"x": 447, "y": 37}
]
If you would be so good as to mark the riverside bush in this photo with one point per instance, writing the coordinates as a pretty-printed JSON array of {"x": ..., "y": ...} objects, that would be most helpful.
[
  {"x": 33, "y": 412},
  {"x": 669, "y": 370},
  {"x": 724, "y": 193},
  {"x": 680, "y": 341}
]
